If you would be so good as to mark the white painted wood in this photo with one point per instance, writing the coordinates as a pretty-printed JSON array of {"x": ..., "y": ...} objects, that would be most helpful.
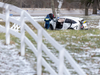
[
  {"x": 10, "y": 19},
  {"x": 44, "y": 63},
  {"x": 27, "y": 28},
  {"x": 14, "y": 21},
  {"x": 52, "y": 40},
  {"x": 16, "y": 27},
  {"x": 74, "y": 64},
  {"x": 1, "y": 4},
  {"x": 2, "y": 29},
  {"x": 15, "y": 9},
  {"x": 61, "y": 62},
  {"x": 11, "y": 7},
  {"x": 48, "y": 67},
  {"x": 3, "y": 16},
  {"x": 7, "y": 26},
  {"x": 39, "y": 55},
  {"x": 34, "y": 23},
  {"x": 22, "y": 34},
  {"x": 34, "y": 49},
  {"x": 45, "y": 49},
  {"x": 13, "y": 32},
  {"x": 54, "y": 58}
]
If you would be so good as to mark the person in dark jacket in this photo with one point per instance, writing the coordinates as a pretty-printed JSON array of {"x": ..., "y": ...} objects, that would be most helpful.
[
  {"x": 47, "y": 22},
  {"x": 51, "y": 16}
]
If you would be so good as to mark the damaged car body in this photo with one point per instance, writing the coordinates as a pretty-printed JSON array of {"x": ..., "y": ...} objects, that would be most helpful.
[{"x": 62, "y": 23}]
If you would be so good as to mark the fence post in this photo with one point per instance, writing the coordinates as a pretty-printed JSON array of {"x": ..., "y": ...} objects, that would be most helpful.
[
  {"x": 7, "y": 25},
  {"x": 22, "y": 34},
  {"x": 61, "y": 61},
  {"x": 39, "y": 55}
]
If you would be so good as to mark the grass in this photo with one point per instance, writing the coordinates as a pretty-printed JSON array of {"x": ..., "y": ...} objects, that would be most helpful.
[
  {"x": 2, "y": 36},
  {"x": 73, "y": 40}
]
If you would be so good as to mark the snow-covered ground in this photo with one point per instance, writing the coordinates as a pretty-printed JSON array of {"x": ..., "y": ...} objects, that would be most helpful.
[
  {"x": 11, "y": 63},
  {"x": 89, "y": 58},
  {"x": 89, "y": 61},
  {"x": 93, "y": 21}
]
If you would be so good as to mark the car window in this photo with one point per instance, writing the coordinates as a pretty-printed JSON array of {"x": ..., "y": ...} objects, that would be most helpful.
[
  {"x": 70, "y": 21},
  {"x": 67, "y": 21},
  {"x": 73, "y": 22}
]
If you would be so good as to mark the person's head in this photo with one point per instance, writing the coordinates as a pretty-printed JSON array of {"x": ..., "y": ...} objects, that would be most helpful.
[{"x": 47, "y": 16}]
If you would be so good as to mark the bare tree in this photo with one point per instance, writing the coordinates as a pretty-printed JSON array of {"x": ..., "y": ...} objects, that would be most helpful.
[
  {"x": 21, "y": 3},
  {"x": 53, "y": 7},
  {"x": 87, "y": 5},
  {"x": 95, "y": 6},
  {"x": 57, "y": 14},
  {"x": 60, "y": 2}
]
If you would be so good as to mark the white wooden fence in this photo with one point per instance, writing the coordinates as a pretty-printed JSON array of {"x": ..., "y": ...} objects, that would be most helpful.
[{"x": 62, "y": 69}]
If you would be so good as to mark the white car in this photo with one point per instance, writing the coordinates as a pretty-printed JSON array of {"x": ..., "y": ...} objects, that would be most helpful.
[{"x": 68, "y": 23}]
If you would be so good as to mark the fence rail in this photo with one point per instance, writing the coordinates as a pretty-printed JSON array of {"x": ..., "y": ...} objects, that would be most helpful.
[{"x": 62, "y": 69}]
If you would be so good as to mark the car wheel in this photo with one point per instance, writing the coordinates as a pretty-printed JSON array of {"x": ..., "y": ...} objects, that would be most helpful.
[{"x": 51, "y": 27}]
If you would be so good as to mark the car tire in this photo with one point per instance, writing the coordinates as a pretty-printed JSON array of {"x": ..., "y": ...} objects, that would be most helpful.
[{"x": 51, "y": 27}]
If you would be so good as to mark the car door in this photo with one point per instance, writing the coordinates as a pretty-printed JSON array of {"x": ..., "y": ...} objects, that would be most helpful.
[
  {"x": 69, "y": 24},
  {"x": 66, "y": 24},
  {"x": 74, "y": 24}
]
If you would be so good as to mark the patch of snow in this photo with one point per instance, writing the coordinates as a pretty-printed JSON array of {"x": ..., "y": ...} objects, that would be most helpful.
[
  {"x": 89, "y": 61},
  {"x": 92, "y": 35},
  {"x": 11, "y": 63},
  {"x": 73, "y": 37}
]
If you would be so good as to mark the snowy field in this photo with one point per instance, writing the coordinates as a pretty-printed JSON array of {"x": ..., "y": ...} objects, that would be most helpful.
[
  {"x": 86, "y": 53},
  {"x": 11, "y": 63},
  {"x": 86, "y": 56}
]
